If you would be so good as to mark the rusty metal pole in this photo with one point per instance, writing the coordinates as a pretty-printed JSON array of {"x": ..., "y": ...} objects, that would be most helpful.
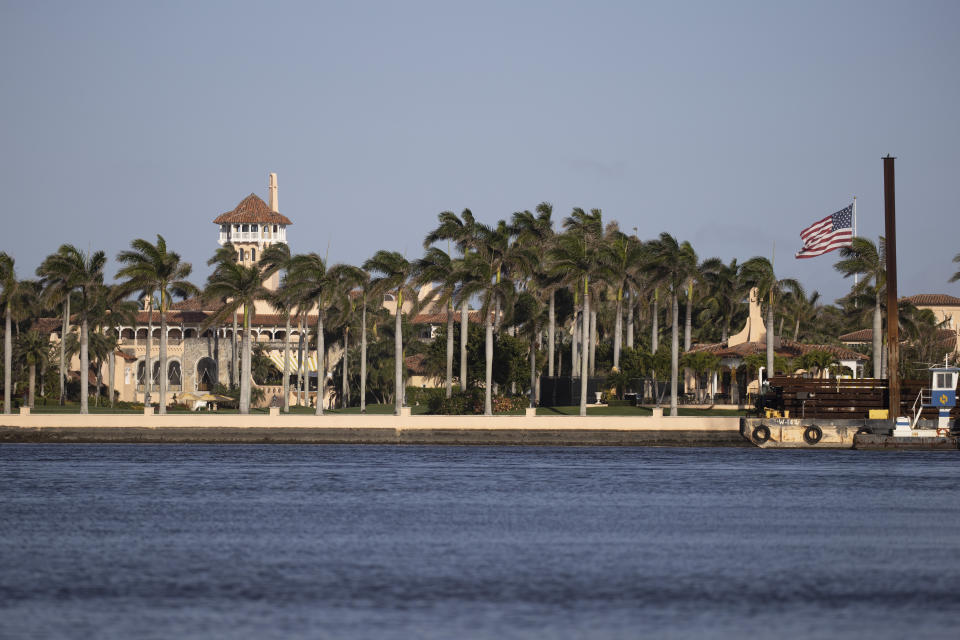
[{"x": 893, "y": 324}]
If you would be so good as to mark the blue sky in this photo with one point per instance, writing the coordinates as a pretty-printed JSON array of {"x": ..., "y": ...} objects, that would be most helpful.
[{"x": 733, "y": 125}]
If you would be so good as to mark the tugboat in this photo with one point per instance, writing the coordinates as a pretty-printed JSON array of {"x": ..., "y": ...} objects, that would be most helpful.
[{"x": 827, "y": 400}]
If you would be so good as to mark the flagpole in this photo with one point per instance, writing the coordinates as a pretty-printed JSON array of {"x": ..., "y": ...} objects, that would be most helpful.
[{"x": 856, "y": 276}]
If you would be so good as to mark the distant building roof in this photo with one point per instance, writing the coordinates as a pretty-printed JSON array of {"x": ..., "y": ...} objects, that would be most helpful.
[
  {"x": 787, "y": 348},
  {"x": 862, "y": 335},
  {"x": 252, "y": 209},
  {"x": 933, "y": 300}
]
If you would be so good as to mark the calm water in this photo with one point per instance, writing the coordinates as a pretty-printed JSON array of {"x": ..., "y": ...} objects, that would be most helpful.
[{"x": 100, "y": 541}]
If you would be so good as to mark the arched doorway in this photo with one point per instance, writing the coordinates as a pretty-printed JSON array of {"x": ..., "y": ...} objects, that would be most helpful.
[{"x": 206, "y": 374}]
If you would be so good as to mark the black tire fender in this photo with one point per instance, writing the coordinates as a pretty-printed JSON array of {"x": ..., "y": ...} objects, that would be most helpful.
[
  {"x": 761, "y": 433},
  {"x": 812, "y": 434}
]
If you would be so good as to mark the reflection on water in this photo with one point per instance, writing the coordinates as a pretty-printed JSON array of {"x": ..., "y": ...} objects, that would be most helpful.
[{"x": 440, "y": 542}]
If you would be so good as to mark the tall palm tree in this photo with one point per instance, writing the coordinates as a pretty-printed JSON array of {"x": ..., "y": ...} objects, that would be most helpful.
[
  {"x": 436, "y": 266},
  {"x": 536, "y": 233},
  {"x": 477, "y": 276},
  {"x": 869, "y": 260},
  {"x": 346, "y": 279},
  {"x": 8, "y": 284},
  {"x": 277, "y": 258},
  {"x": 462, "y": 231},
  {"x": 670, "y": 264},
  {"x": 576, "y": 256},
  {"x": 317, "y": 281},
  {"x": 725, "y": 291},
  {"x": 758, "y": 272},
  {"x": 83, "y": 272},
  {"x": 239, "y": 287},
  {"x": 57, "y": 291},
  {"x": 619, "y": 256},
  {"x": 396, "y": 278},
  {"x": 151, "y": 268}
]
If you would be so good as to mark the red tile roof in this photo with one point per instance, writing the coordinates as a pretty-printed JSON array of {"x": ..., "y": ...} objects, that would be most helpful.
[
  {"x": 787, "y": 348},
  {"x": 862, "y": 335},
  {"x": 933, "y": 300},
  {"x": 252, "y": 209}
]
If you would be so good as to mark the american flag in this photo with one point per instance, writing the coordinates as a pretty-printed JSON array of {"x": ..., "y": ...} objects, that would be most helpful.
[{"x": 825, "y": 235}]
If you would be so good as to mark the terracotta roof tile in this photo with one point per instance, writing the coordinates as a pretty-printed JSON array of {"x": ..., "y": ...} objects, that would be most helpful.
[
  {"x": 861, "y": 335},
  {"x": 252, "y": 209},
  {"x": 787, "y": 348},
  {"x": 933, "y": 300}
]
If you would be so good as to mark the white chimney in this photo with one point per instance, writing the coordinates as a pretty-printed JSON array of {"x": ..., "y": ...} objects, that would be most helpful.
[{"x": 274, "y": 205}]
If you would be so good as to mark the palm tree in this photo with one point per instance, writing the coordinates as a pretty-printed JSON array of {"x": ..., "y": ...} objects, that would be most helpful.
[
  {"x": 758, "y": 272},
  {"x": 35, "y": 348},
  {"x": 462, "y": 231},
  {"x": 620, "y": 253},
  {"x": 396, "y": 278},
  {"x": 802, "y": 309},
  {"x": 536, "y": 233},
  {"x": 956, "y": 276},
  {"x": 275, "y": 258},
  {"x": 478, "y": 276},
  {"x": 151, "y": 268},
  {"x": 238, "y": 286},
  {"x": 318, "y": 282},
  {"x": 725, "y": 291},
  {"x": 436, "y": 266},
  {"x": 576, "y": 255},
  {"x": 84, "y": 272},
  {"x": 869, "y": 260},
  {"x": 8, "y": 284},
  {"x": 57, "y": 291},
  {"x": 670, "y": 263},
  {"x": 346, "y": 279}
]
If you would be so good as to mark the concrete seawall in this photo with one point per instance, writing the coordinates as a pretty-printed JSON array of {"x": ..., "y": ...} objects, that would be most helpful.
[{"x": 375, "y": 429}]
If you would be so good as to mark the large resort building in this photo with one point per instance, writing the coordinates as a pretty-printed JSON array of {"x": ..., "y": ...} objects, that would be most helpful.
[{"x": 199, "y": 357}]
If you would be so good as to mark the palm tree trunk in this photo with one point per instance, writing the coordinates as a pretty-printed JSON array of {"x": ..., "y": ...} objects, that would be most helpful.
[
  {"x": 688, "y": 321},
  {"x": 363, "y": 356},
  {"x": 877, "y": 340},
  {"x": 770, "y": 338},
  {"x": 796, "y": 330},
  {"x": 245, "y": 364},
  {"x": 488, "y": 374},
  {"x": 345, "y": 382},
  {"x": 655, "y": 329},
  {"x": 301, "y": 348},
  {"x": 235, "y": 373},
  {"x": 33, "y": 385},
  {"x": 584, "y": 377},
  {"x": 533, "y": 372},
  {"x": 450, "y": 349},
  {"x": 7, "y": 360},
  {"x": 163, "y": 356},
  {"x": 148, "y": 372},
  {"x": 321, "y": 365},
  {"x": 63, "y": 344},
  {"x": 630, "y": 329},
  {"x": 551, "y": 337},
  {"x": 464, "y": 335},
  {"x": 112, "y": 372},
  {"x": 617, "y": 333},
  {"x": 286, "y": 367},
  {"x": 674, "y": 351},
  {"x": 84, "y": 367},
  {"x": 574, "y": 345},
  {"x": 398, "y": 357},
  {"x": 593, "y": 343}
]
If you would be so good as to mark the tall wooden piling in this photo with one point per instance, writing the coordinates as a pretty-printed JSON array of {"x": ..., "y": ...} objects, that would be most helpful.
[{"x": 893, "y": 324}]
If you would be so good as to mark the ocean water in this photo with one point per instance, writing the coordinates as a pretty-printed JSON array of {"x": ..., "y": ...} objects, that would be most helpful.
[{"x": 171, "y": 541}]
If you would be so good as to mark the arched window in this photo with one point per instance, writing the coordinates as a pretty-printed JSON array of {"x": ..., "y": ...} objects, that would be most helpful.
[
  {"x": 274, "y": 229},
  {"x": 141, "y": 372},
  {"x": 253, "y": 255},
  {"x": 206, "y": 374},
  {"x": 245, "y": 228},
  {"x": 240, "y": 255},
  {"x": 156, "y": 372},
  {"x": 388, "y": 297},
  {"x": 254, "y": 227},
  {"x": 174, "y": 376}
]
